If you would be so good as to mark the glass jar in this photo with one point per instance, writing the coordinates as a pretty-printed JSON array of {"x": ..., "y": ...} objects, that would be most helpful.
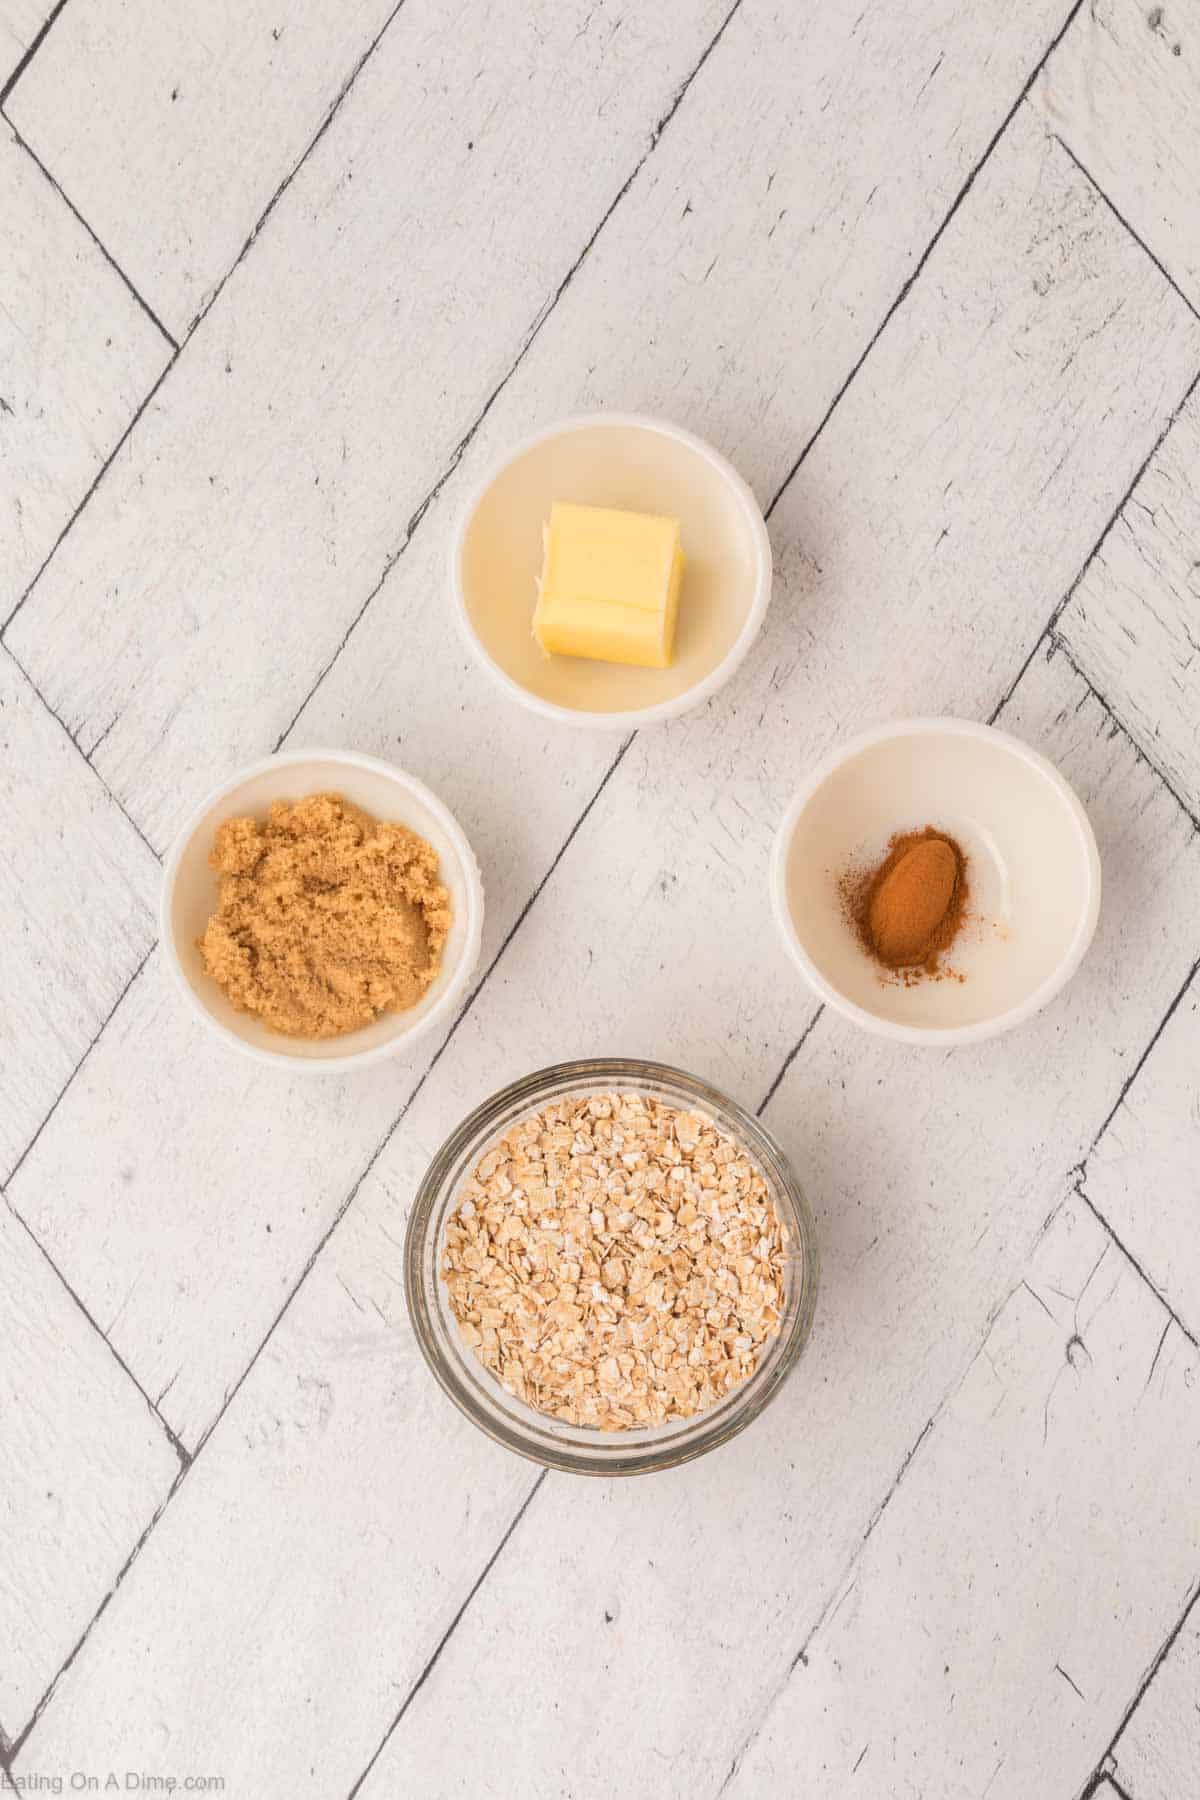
[{"x": 475, "y": 1391}]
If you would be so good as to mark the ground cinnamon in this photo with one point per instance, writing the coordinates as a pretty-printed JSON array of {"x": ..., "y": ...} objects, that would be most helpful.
[{"x": 909, "y": 908}]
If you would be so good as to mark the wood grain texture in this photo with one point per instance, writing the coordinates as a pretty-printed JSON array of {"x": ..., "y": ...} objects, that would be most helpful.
[
  {"x": 1123, "y": 92},
  {"x": 681, "y": 832},
  {"x": 277, "y": 470},
  {"x": 726, "y": 1567},
  {"x": 77, "y": 356},
  {"x": 1133, "y": 624},
  {"x": 20, "y": 22},
  {"x": 311, "y": 1561},
  {"x": 76, "y": 891},
  {"x": 653, "y": 329},
  {"x": 172, "y": 126},
  {"x": 688, "y": 816},
  {"x": 1158, "y": 1753},
  {"x": 184, "y": 1245},
  {"x": 1143, "y": 1176},
  {"x": 85, "y": 1465},
  {"x": 314, "y": 471},
  {"x": 518, "y": 212},
  {"x": 979, "y": 1601}
]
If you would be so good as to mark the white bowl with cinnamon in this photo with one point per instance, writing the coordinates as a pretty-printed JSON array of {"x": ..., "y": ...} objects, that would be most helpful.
[
  {"x": 936, "y": 881},
  {"x": 321, "y": 910}
]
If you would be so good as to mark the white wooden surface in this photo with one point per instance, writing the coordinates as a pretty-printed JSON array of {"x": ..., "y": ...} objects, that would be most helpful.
[
  {"x": 20, "y": 22},
  {"x": 1123, "y": 91},
  {"x": 1134, "y": 620},
  {"x": 84, "y": 1470},
  {"x": 229, "y": 97},
  {"x": 1145, "y": 1174},
  {"x": 977, "y": 1614},
  {"x": 1158, "y": 1752},
  {"x": 927, "y": 272},
  {"x": 77, "y": 353},
  {"x": 77, "y": 888}
]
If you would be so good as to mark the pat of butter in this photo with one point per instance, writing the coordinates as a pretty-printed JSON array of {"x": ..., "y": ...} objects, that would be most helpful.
[{"x": 610, "y": 585}]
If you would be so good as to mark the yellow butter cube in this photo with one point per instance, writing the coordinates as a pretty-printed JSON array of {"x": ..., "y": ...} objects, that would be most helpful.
[{"x": 610, "y": 585}]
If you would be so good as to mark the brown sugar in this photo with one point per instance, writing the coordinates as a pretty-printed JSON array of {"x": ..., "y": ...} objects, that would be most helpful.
[
  {"x": 909, "y": 908},
  {"x": 326, "y": 919}
]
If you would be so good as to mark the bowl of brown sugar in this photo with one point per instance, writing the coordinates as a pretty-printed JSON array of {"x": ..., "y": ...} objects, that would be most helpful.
[
  {"x": 321, "y": 910},
  {"x": 936, "y": 881}
]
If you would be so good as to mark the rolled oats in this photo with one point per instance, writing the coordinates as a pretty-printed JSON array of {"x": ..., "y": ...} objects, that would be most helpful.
[{"x": 616, "y": 1262}]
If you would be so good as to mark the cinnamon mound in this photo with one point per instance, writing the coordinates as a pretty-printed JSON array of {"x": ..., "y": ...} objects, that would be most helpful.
[{"x": 908, "y": 910}]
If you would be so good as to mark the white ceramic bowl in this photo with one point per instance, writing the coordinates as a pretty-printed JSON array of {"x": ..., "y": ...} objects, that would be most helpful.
[
  {"x": 189, "y": 897},
  {"x": 1033, "y": 869},
  {"x": 644, "y": 465}
]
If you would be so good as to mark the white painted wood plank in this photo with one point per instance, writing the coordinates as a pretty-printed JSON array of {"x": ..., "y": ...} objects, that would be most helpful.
[
  {"x": 76, "y": 891},
  {"x": 309, "y": 1564},
  {"x": 1032, "y": 1558},
  {"x": 184, "y": 1242},
  {"x": 85, "y": 1465},
  {"x": 930, "y": 1178},
  {"x": 315, "y": 471},
  {"x": 1143, "y": 1174},
  {"x": 690, "y": 814},
  {"x": 1158, "y": 1753},
  {"x": 1123, "y": 91},
  {"x": 257, "y": 504},
  {"x": 670, "y": 866},
  {"x": 171, "y": 126},
  {"x": 20, "y": 22},
  {"x": 1006, "y": 409},
  {"x": 77, "y": 356},
  {"x": 1133, "y": 623}
]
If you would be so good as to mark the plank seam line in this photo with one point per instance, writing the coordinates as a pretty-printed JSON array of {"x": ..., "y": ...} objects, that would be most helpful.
[
  {"x": 788, "y": 1060},
  {"x": 1096, "y": 1781},
  {"x": 1095, "y": 550},
  {"x": 341, "y": 1212},
  {"x": 12, "y": 1173},
  {"x": 541, "y": 319},
  {"x": 418, "y": 515},
  {"x": 1152, "y": 1671},
  {"x": 413, "y": 524},
  {"x": 157, "y": 1514},
  {"x": 932, "y": 245},
  {"x": 94, "y": 484},
  {"x": 1063, "y": 647},
  {"x": 103, "y": 249},
  {"x": 1122, "y": 220},
  {"x": 841, "y": 1588},
  {"x": 801, "y": 1656},
  {"x": 450, "y": 1629},
  {"x": 1172, "y": 1316},
  {"x": 181, "y": 1452},
  {"x": 62, "y": 724},
  {"x": 657, "y": 133},
  {"x": 211, "y": 301},
  {"x": 404, "y": 1110},
  {"x": 545, "y": 311},
  {"x": 30, "y": 53},
  {"x": 1141, "y": 1061}
]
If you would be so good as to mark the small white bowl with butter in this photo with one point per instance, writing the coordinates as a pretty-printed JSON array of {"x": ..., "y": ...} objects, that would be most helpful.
[{"x": 633, "y": 464}]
